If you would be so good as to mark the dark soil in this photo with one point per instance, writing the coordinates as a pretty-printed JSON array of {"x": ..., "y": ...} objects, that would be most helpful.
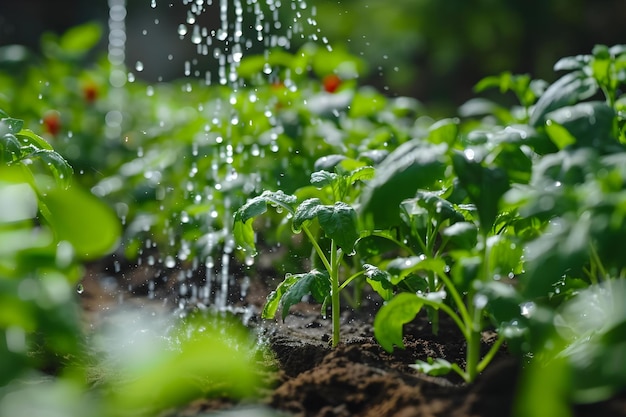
[{"x": 359, "y": 378}]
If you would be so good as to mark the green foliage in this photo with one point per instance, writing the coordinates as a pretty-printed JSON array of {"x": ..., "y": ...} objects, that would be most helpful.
[
  {"x": 338, "y": 222},
  {"x": 505, "y": 218}
]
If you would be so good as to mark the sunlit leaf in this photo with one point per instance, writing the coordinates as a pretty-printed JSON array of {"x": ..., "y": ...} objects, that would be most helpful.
[
  {"x": 322, "y": 179},
  {"x": 462, "y": 234},
  {"x": 339, "y": 223},
  {"x": 293, "y": 289},
  {"x": 76, "y": 216},
  {"x": 29, "y": 137},
  {"x": 444, "y": 131},
  {"x": 80, "y": 39},
  {"x": 410, "y": 167},
  {"x": 391, "y": 318},
  {"x": 569, "y": 89},
  {"x": 379, "y": 280},
  {"x": 434, "y": 367}
]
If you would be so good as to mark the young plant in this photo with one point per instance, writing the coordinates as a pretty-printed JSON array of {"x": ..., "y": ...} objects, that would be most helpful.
[
  {"x": 456, "y": 251},
  {"x": 337, "y": 221}
]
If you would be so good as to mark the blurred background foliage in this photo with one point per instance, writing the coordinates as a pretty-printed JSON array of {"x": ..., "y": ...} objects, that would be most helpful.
[{"x": 434, "y": 50}]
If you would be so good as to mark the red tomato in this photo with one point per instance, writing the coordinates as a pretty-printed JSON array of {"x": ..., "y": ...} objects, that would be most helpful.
[
  {"x": 90, "y": 92},
  {"x": 52, "y": 122},
  {"x": 331, "y": 83}
]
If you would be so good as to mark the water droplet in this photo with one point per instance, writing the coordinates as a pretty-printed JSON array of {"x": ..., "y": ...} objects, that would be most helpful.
[
  {"x": 169, "y": 262},
  {"x": 480, "y": 301},
  {"x": 528, "y": 308},
  {"x": 139, "y": 66},
  {"x": 80, "y": 288}
]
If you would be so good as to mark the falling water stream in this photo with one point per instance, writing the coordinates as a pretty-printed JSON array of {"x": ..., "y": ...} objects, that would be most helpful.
[{"x": 243, "y": 27}]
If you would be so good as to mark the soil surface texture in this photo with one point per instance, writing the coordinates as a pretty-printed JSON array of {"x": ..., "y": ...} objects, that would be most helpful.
[{"x": 358, "y": 378}]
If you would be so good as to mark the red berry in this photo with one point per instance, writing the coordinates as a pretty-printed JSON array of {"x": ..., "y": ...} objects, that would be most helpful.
[
  {"x": 331, "y": 83},
  {"x": 90, "y": 92},
  {"x": 52, "y": 122}
]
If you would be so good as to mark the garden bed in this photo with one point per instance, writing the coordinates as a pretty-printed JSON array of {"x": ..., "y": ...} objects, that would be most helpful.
[{"x": 304, "y": 376}]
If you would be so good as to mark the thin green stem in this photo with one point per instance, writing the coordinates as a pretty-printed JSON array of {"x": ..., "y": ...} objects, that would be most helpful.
[
  {"x": 595, "y": 260},
  {"x": 456, "y": 297},
  {"x": 335, "y": 257},
  {"x": 489, "y": 356},
  {"x": 318, "y": 249},
  {"x": 386, "y": 235},
  {"x": 455, "y": 317},
  {"x": 473, "y": 347},
  {"x": 475, "y": 312},
  {"x": 350, "y": 279}
]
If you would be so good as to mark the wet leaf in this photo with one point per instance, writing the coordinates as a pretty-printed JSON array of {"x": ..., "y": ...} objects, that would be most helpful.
[
  {"x": 379, "y": 280},
  {"x": 321, "y": 179},
  {"x": 410, "y": 167},
  {"x": 588, "y": 124},
  {"x": 79, "y": 218},
  {"x": 569, "y": 89},
  {"x": 306, "y": 212},
  {"x": 339, "y": 223},
  {"x": 400, "y": 268},
  {"x": 328, "y": 162},
  {"x": 60, "y": 168},
  {"x": 293, "y": 289},
  {"x": 463, "y": 235},
  {"x": 434, "y": 367},
  {"x": 10, "y": 149},
  {"x": 29, "y": 137},
  {"x": 10, "y": 125},
  {"x": 392, "y": 316},
  {"x": 485, "y": 185},
  {"x": 444, "y": 131}
]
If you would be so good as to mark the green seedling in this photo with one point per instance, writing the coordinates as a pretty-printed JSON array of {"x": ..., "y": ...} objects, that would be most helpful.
[{"x": 338, "y": 223}]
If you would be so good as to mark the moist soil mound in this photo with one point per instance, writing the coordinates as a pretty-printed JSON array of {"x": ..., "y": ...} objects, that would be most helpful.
[{"x": 308, "y": 378}]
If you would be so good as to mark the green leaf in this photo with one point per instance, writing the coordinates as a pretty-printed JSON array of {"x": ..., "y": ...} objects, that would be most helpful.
[
  {"x": 438, "y": 208},
  {"x": 367, "y": 102},
  {"x": 258, "y": 205},
  {"x": 242, "y": 227},
  {"x": 306, "y": 212},
  {"x": 379, "y": 280},
  {"x": 321, "y": 179},
  {"x": 444, "y": 131},
  {"x": 589, "y": 124},
  {"x": 484, "y": 185},
  {"x": 10, "y": 149},
  {"x": 569, "y": 89},
  {"x": 76, "y": 216},
  {"x": 511, "y": 158},
  {"x": 244, "y": 236},
  {"x": 80, "y": 39},
  {"x": 571, "y": 63},
  {"x": 339, "y": 223},
  {"x": 463, "y": 235},
  {"x": 400, "y": 268},
  {"x": 328, "y": 162},
  {"x": 410, "y": 167},
  {"x": 29, "y": 137},
  {"x": 60, "y": 168},
  {"x": 392, "y": 316},
  {"x": 362, "y": 174},
  {"x": 505, "y": 256},
  {"x": 293, "y": 289},
  {"x": 434, "y": 367},
  {"x": 465, "y": 269},
  {"x": 10, "y": 125}
]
